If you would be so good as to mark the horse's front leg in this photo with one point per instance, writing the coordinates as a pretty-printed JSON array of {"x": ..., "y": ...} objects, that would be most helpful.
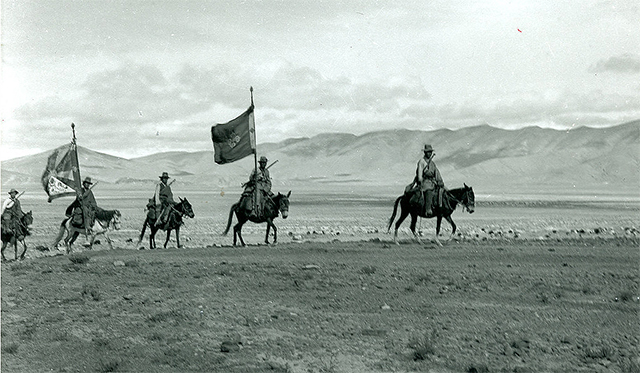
[
  {"x": 24, "y": 244},
  {"x": 438, "y": 222},
  {"x": 4, "y": 246},
  {"x": 106, "y": 236},
  {"x": 453, "y": 226},
  {"x": 178, "y": 237},
  {"x": 266, "y": 237},
  {"x": 168, "y": 236}
]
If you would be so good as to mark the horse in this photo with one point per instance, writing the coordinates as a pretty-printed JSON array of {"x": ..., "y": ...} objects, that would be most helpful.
[
  {"x": 105, "y": 220},
  {"x": 17, "y": 233},
  {"x": 174, "y": 219},
  {"x": 279, "y": 204},
  {"x": 450, "y": 200}
]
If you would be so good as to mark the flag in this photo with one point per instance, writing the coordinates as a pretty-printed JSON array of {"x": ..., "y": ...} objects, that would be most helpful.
[
  {"x": 234, "y": 140},
  {"x": 61, "y": 176}
]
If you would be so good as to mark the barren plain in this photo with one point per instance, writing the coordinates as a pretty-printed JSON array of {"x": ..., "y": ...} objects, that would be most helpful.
[{"x": 528, "y": 284}]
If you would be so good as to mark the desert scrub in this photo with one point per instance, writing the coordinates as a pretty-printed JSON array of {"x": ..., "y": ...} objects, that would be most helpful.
[
  {"x": 10, "y": 348},
  {"x": 91, "y": 290},
  {"x": 600, "y": 352},
  {"x": 78, "y": 258},
  {"x": 110, "y": 365},
  {"x": 625, "y": 296},
  {"x": 422, "y": 346}
]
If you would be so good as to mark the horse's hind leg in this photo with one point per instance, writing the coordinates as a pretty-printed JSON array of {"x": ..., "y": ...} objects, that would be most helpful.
[
  {"x": 237, "y": 231},
  {"x": 414, "y": 219},
  {"x": 403, "y": 215},
  {"x": 4, "y": 246}
]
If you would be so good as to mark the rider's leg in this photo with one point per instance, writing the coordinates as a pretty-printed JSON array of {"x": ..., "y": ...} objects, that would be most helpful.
[{"x": 428, "y": 196}]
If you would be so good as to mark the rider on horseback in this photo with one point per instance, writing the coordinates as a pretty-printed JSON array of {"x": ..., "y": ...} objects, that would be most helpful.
[
  {"x": 163, "y": 199},
  {"x": 427, "y": 179},
  {"x": 259, "y": 183},
  {"x": 11, "y": 210},
  {"x": 85, "y": 201}
]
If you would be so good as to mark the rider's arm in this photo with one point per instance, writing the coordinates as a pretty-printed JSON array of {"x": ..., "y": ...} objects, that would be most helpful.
[
  {"x": 420, "y": 169},
  {"x": 157, "y": 195},
  {"x": 7, "y": 204}
]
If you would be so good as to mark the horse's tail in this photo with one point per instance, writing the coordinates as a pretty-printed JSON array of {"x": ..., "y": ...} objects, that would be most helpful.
[
  {"x": 231, "y": 211},
  {"x": 395, "y": 209},
  {"x": 144, "y": 228}
]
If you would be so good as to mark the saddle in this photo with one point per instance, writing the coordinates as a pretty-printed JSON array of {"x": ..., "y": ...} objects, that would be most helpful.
[
  {"x": 417, "y": 197},
  {"x": 246, "y": 203}
]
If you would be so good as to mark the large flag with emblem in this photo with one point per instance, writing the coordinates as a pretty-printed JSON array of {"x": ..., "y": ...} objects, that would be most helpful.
[
  {"x": 61, "y": 177},
  {"x": 234, "y": 140}
]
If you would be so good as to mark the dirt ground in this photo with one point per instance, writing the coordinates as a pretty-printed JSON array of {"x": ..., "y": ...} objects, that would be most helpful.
[
  {"x": 523, "y": 286},
  {"x": 368, "y": 306}
]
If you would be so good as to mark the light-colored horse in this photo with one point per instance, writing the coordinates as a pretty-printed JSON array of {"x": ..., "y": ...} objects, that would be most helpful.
[{"x": 106, "y": 221}]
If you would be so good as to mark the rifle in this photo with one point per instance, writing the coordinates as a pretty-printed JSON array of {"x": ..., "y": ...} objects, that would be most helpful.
[
  {"x": 269, "y": 166},
  {"x": 21, "y": 193}
]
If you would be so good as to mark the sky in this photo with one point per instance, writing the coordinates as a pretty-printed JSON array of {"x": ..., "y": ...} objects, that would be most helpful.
[{"x": 141, "y": 77}]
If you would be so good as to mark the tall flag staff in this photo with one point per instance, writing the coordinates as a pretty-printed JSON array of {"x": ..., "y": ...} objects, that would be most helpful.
[{"x": 61, "y": 176}]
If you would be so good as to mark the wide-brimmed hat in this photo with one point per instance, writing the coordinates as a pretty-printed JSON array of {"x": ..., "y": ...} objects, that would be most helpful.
[
  {"x": 164, "y": 174},
  {"x": 427, "y": 148},
  {"x": 87, "y": 180},
  {"x": 13, "y": 190},
  {"x": 263, "y": 159}
]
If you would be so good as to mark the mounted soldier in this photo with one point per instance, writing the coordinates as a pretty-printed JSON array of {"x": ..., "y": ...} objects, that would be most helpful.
[
  {"x": 163, "y": 199},
  {"x": 427, "y": 180},
  {"x": 85, "y": 202},
  {"x": 11, "y": 210},
  {"x": 259, "y": 185}
]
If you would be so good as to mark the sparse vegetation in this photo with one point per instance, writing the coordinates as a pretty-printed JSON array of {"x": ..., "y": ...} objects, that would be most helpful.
[
  {"x": 10, "y": 348},
  {"x": 92, "y": 291},
  {"x": 422, "y": 346},
  {"x": 78, "y": 258}
]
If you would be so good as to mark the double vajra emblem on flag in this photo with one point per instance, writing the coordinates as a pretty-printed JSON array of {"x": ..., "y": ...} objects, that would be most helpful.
[{"x": 235, "y": 139}]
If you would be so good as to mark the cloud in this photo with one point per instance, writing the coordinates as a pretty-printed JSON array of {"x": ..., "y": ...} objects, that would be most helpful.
[{"x": 623, "y": 64}]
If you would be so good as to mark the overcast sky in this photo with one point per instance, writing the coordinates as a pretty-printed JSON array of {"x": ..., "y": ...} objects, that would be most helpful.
[{"x": 139, "y": 77}]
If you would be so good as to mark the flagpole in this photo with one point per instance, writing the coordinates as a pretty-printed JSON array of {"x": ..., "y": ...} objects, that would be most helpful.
[
  {"x": 79, "y": 180},
  {"x": 255, "y": 157}
]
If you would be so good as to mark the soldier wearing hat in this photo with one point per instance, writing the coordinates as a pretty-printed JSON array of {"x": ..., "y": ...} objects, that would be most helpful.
[
  {"x": 11, "y": 208},
  {"x": 428, "y": 177},
  {"x": 85, "y": 202},
  {"x": 260, "y": 180},
  {"x": 163, "y": 198}
]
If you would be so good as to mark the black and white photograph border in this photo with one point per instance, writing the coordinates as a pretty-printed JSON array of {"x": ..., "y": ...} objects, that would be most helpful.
[{"x": 353, "y": 186}]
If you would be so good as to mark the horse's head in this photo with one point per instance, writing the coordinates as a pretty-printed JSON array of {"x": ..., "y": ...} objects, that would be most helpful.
[
  {"x": 185, "y": 207},
  {"x": 469, "y": 199},
  {"x": 283, "y": 204},
  {"x": 27, "y": 219}
]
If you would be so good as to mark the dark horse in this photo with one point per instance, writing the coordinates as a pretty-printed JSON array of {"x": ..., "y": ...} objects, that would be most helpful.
[
  {"x": 105, "y": 221},
  {"x": 174, "y": 221},
  {"x": 279, "y": 204},
  {"x": 450, "y": 200},
  {"x": 16, "y": 233}
]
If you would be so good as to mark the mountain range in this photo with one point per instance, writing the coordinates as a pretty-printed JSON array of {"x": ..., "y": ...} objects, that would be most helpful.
[{"x": 531, "y": 159}]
